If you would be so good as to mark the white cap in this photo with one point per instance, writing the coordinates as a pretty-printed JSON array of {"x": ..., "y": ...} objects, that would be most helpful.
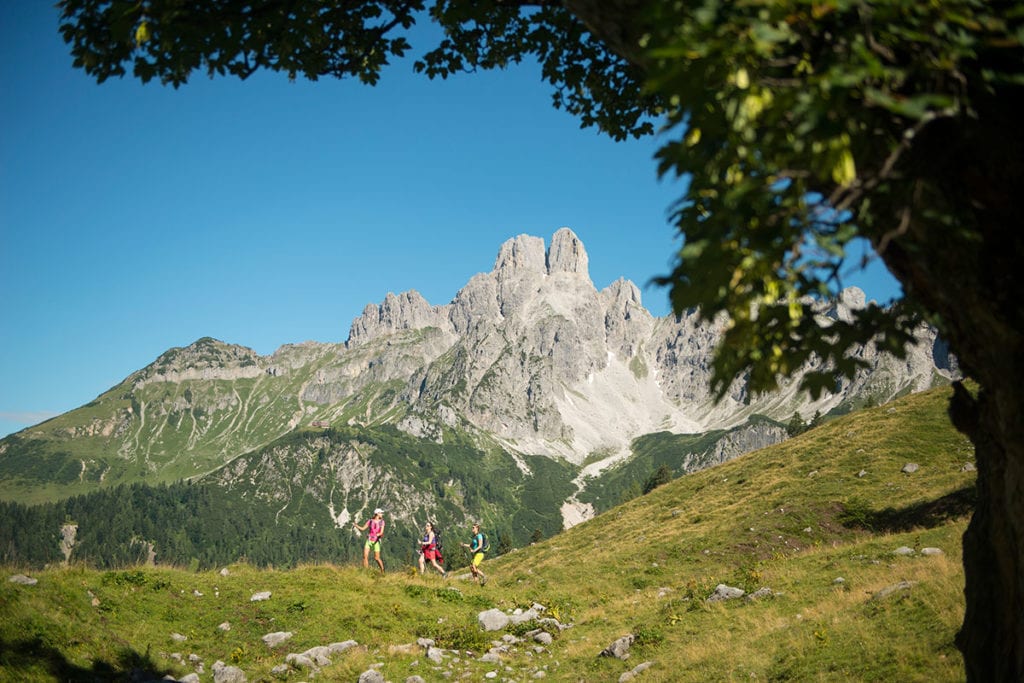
[{"x": 378, "y": 511}]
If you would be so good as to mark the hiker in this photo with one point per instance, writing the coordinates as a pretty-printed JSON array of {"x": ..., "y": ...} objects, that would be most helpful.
[
  {"x": 478, "y": 546},
  {"x": 376, "y": 531},
  {"x": 430, "y": 550}
]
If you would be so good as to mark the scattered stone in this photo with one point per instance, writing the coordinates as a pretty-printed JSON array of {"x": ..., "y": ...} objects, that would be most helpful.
[
  {"x": 189, "y": 678},
  {"x": 839, "y": 581},
  {"x": 435, "y": 655},
  {"x": 548, "y": 621},
  {"x": 491, "y": 674},
  {"x": 197, "y": 593},
  {"x": 620, "y": 648},
  {"x": 300, "y": 661},
  {"x": 276, "y": 638},
  {"x": 520, "y": 616},
  {"x": 178, "y": 638},
  {"x": 227, "y": 674},
  {"x": 760, "y": 593},
  {"x": 968, "y": 467},
  {"x": 723, "y": 592},
  {"x": 414, "y": 679},
  {"x": 544, "y": 638},
  {"x": 634, "y": 672},
  {"x": 320, "y": 655},
  {"x": 910, "y": 468},
  {"x": 932, "y": 551},
  {"x": 862, "y": 474},
  {"x": 23, "y": 580},
  {"x": 900, "y": 587},
  {"x": 224, "y": 571},
  {"x": 371, "y": 676},
  {"x": 493, "y": 620},
  {"x": 257, "y": 597},
  {"x": 492, "y": 657},
  {"x": 903, "y": 550},
  {"x": 342, "y": 646},
  {"x": 225, "y": 626}
]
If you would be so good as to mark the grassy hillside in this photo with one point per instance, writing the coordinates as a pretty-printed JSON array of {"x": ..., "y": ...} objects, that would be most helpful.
[{"x": 816, "y": 519}]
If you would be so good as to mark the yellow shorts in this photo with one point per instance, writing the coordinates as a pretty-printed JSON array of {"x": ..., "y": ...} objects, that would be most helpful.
[{"x": 477, "y": 559}]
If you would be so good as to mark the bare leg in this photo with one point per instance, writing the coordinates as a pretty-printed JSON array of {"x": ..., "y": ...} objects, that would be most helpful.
[{"x": 380, "y": 563}]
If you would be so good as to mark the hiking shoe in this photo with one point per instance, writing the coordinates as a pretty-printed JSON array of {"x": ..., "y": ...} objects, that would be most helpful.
[{"x": 483, "y": 580}]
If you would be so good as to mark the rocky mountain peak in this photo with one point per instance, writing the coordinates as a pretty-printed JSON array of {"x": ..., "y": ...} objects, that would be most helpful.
[
  {"x": 526, "y": 254},
  {"x": 205, "y": 358},
  {"x": 521, "y": 254},
  {"x": 398, "y": 312},
  {"x": 623, "y": 296},
  {"x": 532, "y": 353},
  {"x": 567, "y": 254}
]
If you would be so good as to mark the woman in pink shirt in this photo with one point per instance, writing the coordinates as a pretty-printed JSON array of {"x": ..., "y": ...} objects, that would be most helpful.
[{"x": 376, "y": 531}]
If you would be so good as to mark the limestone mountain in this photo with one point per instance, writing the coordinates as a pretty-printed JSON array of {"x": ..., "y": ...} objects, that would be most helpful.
[{"x": 528, "y": 359}]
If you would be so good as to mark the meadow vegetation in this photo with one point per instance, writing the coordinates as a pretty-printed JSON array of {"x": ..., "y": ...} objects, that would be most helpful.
[{"x": 817, "y": 519}]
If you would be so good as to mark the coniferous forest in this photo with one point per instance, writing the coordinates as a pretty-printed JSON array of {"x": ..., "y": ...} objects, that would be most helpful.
[{"x": 192, "y": 525}]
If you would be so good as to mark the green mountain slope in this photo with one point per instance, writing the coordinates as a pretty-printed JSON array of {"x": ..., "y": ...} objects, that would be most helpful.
[{"x": 818, "y": 520}]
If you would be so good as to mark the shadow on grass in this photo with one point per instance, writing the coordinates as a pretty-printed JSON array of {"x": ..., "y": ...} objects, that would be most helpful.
[
  {"x": 32, "y": 658},
  {"x": 932, "y": 513}
]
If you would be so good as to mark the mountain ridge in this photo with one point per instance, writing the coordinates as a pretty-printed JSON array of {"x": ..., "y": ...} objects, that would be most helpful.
[{"x": 529, "y": 358}]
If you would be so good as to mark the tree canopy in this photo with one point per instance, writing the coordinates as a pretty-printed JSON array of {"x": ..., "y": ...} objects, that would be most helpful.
[{"x": 800, "y": 124}]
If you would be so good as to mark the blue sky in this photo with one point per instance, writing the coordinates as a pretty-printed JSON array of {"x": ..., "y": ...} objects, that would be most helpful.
[{"x": 138, "y": 218}]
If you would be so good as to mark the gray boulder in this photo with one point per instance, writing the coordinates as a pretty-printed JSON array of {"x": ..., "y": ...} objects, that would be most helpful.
[
  {"x": 371, "y": 676},
  {"x": 276, "y": 638},
  {"x": 227, "y": 674},
  {"x": 723, "y": 592},
  {"x": 620, "y": 648},
  {"x": 23, "y": 580},
  {"x": 493, "y": 620}
]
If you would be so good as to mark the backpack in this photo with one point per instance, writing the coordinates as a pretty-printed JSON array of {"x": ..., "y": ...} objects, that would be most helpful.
[
  {"x": 485, "y": 545},
  {"x": 437, "y": 541}
]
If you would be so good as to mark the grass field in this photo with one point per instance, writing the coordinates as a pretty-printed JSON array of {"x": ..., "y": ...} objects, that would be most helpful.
[{"x": 817, "y": 520}]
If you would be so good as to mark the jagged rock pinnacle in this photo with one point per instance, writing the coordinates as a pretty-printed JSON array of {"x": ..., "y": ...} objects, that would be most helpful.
[{"x": 567, "y": 254}]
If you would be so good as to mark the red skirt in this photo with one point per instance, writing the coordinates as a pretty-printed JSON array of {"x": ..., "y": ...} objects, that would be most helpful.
[{"x": 430, "y": 553}]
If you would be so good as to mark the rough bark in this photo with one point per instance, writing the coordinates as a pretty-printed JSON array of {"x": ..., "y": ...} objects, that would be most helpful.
[
  {"x": 992, "y": 638},
  {"x": 966, "y": 274}
]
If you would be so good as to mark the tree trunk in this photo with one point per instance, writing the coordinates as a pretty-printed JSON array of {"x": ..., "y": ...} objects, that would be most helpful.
[
  {"x": 992, "y": 636},
  {"x": 965, "y": 273}
]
